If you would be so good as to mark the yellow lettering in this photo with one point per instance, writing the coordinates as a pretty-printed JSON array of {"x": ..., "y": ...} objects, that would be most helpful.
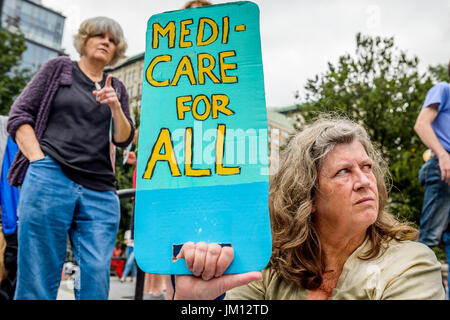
[
  {"x": 164, "y": 140},
  {"x": 205, "y": 68},
  {"x": 201, "y": 32},
  {"x": 227, "y": 66},
  {"x": 159, "y": 30},
  {"x": 149, "y": 72},
  {"x": 205, "y": 114},
  {"x": 184, "y": 68},
  {"x": 219, "y": 104},
  {"x": 202, "y": 69},
  {"x": 226, "y": 29},
  {"x": 220, "y": 150},
  {"x": 181, "y": 107},
  {"x": 188, "y": 170},
  {"x": 185, "y": 32}
]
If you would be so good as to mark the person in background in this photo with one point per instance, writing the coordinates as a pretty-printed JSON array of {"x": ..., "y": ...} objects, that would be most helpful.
[
  {"x": 196, "y": 4},
  {"x": 3, "y": 140},
  {"x": 332, "y": 237},
  {"x": 3, "y": 294},
  {"x": 433, "y": 128},
  {"x": 64, "y": 122},
  {"x": 117, "y": 262},
  {"x": 9, "y": 199},
  {"x": 130, "y": 265}
]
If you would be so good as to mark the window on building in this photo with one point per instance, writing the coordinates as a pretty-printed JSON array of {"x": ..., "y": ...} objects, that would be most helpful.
[{"x": 131, "y": 92}]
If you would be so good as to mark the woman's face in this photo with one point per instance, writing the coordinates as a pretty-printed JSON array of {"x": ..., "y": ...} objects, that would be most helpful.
[
  {"x": 100, "y": 47},
  {"x": 346, "y": 202}
]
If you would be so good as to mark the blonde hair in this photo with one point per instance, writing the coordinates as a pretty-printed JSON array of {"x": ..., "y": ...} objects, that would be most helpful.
[
  {"x": 296, "y": 250},
  {"x": 200, "y": 3},
  {"x": 94, "y": 26}
]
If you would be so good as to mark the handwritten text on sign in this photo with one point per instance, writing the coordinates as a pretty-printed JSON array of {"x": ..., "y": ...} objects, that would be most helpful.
[
  {"x": 203, "y": 138},
  {"x": 200, "y": 106}
]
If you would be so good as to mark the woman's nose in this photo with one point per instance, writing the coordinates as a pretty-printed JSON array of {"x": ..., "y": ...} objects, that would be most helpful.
[
  {"x": 361, "y": 180},
  {"x": 105, "y": 40}
]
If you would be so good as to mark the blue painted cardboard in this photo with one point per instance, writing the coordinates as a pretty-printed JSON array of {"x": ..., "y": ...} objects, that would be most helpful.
[{"x": 202, "y": 168}]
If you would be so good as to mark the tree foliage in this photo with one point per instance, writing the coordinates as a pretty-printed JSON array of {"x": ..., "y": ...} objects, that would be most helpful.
[
  {"x": 439, "y": 73},
  {"x": 380, "y": 87},
  {"x": 12, "y": 78}
]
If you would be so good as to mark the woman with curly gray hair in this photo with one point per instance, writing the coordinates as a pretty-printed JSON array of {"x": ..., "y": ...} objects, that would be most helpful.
[
  {"x": 64, "y": 123},
  {"x": 332, "y": 236}
]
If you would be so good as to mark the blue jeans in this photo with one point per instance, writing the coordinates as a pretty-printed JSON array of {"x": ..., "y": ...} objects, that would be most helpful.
[
  {"x": 51, "y": 207},
  {"x": 129, "y": 265},
  {"x": 436, "y": 204}
]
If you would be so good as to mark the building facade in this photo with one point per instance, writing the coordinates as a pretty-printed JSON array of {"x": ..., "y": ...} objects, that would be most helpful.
[
  {"x": 280, "y": 130},
  {"x": 42, "y": 28},
  {"x": 293, "y": 114}
]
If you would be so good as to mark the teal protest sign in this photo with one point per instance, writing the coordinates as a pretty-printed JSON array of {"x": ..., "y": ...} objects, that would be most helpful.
[{"x": 202, "y": 171}]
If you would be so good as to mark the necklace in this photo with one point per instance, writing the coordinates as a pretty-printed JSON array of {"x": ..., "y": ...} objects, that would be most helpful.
[{"x": 98, "y": 88}]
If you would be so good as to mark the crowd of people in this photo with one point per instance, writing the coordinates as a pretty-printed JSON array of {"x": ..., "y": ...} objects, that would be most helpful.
[{"x": 332, "y": 237}]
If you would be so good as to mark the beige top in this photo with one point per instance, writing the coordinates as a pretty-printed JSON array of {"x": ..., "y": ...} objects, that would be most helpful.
[{"x": 406, "y": 270}]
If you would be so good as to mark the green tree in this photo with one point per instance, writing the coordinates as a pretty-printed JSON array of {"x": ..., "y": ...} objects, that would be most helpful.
[
  {"x": 12, "y": 78},
  {"x": 380, "y": 87},
  {"x": 439, "y": 73}
]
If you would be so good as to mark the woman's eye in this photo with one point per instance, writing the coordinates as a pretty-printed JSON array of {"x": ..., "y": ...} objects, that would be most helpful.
[
  {"x": 342, "y": 171},
  {"x": 367, "y": 166}
]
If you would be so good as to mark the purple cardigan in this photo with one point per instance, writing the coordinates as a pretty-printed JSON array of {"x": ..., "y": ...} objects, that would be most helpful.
[{"x": 33, "y": 107}]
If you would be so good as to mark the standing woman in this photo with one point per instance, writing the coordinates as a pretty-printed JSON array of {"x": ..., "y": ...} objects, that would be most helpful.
[{"x": 63, "y": 123}]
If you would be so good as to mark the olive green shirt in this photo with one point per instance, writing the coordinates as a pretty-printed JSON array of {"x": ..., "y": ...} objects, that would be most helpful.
[{"x": 406, "y": 270}]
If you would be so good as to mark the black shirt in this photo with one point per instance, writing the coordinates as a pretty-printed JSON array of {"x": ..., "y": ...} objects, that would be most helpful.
[{"x": 78, "y": 134}]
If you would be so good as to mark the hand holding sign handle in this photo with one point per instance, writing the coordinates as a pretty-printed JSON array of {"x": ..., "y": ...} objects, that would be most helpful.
[
  {"x": 107, "y": 95},
  {"x": 208, "y": 263}
]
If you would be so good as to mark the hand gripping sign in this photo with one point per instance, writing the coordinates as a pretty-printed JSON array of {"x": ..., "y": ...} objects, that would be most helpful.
[{"x": 202, "y": 171}]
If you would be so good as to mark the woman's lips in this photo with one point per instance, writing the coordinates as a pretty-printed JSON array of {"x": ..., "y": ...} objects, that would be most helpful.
[{"x": 364, "y": 200}]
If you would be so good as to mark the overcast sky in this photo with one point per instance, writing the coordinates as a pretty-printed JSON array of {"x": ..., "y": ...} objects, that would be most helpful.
[{"x": 298, "y": 37}]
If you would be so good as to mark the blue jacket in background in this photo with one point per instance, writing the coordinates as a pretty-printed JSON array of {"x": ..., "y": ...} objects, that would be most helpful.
[{"x": 9, "y": 195}]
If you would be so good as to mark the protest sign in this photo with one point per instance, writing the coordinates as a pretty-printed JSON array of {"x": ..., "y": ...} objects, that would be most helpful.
[{"x": 202, "y": 171}]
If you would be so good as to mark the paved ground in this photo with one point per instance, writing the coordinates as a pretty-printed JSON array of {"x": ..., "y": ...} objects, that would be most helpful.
[{"x": 118, "y": 290}]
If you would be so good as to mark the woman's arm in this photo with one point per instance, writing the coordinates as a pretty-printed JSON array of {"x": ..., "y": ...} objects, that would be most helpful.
[
  {"x": 122, "y": 128},
  {"x": 26, "y": 106},
  {"x": 27, "y": 142},
  {"x": 429, "y": 138},
  {"x": 415, "y": 276},
  {"x": 107, "y": 95}
]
